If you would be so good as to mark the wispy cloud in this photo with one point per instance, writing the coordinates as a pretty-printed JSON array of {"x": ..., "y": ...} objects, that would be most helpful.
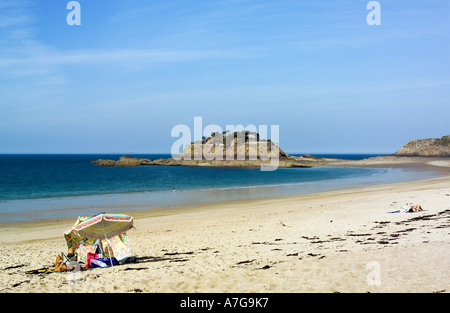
[
  {"x": 16, "y": 18},
  {"x": 90, "y": 57},
  {"x": 23, "y": 54}
]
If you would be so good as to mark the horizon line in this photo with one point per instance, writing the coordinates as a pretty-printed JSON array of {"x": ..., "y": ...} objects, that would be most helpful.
[{"x": 168, "y": 153}]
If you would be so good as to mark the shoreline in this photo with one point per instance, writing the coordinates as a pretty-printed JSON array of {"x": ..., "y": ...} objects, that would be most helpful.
[
  {"x": 170, "y": 201},
  {"x": 44, "y": 229},
  {"x": 419, "y": 165}
]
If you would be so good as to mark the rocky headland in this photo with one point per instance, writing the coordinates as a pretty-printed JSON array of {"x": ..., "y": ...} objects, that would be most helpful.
[{"x": 432, "y": 147}]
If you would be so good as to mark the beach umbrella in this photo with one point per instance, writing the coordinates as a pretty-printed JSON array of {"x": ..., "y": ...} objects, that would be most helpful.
[
  {"x": 120, "y": 245},
  {"x": 104, "y": 226}
]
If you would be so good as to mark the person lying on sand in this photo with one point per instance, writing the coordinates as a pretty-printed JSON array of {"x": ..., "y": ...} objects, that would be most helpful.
[
  {"x": 415, "y": 208},
  {"x": 409, "y": 208}
]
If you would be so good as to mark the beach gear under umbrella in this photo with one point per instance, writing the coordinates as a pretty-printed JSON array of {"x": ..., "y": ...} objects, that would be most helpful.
[{"x": 104, "y": 226}]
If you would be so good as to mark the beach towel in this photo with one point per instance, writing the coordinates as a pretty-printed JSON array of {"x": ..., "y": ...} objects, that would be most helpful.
[{"x": 103, "y": 262}]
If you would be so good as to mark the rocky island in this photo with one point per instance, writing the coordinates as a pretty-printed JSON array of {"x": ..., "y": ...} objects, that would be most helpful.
[
  {"x": 246, "y": 149},
  {"x": 237, "y": 149}
]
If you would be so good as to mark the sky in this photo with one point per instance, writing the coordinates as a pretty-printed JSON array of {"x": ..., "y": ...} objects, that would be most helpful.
[{"x": 133, "y": 70}]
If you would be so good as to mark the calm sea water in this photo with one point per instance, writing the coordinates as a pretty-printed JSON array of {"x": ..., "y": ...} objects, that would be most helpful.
[{"x": 46, "y": 186}]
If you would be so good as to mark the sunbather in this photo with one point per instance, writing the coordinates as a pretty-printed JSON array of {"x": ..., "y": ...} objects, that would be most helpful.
[
  {"x": 415, "y": 208},
  {"x": 409, "y": 208}
]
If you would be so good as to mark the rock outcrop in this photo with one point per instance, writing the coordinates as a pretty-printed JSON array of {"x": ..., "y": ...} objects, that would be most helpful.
[
  {"x": 125, "y": 161},
  {"x": 432, "y": 147},
  {"x": 243, "y": 145}
]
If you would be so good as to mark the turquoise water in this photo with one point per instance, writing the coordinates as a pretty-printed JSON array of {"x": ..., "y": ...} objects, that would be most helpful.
[{"x": 56, "y": 186}]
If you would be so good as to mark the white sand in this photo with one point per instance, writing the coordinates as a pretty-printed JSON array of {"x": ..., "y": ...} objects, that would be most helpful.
[{"x": 340, "y": 241}]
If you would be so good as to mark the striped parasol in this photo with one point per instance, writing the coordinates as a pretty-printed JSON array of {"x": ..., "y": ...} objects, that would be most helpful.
[{"x": 104, "y": 226}]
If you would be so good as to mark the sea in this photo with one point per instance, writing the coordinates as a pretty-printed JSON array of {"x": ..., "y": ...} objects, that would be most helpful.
[{"x": 36, "y": 187}]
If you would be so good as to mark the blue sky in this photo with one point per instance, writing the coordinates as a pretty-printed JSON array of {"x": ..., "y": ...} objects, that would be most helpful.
[{"x": 132, "y": 70}]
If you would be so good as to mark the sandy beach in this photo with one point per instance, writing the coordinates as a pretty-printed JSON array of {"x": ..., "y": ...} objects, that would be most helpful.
[{"x": 335, "y": 241}]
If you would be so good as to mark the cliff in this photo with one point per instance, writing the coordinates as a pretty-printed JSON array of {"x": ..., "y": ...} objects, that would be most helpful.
[{"x": 432, "y": 147}]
